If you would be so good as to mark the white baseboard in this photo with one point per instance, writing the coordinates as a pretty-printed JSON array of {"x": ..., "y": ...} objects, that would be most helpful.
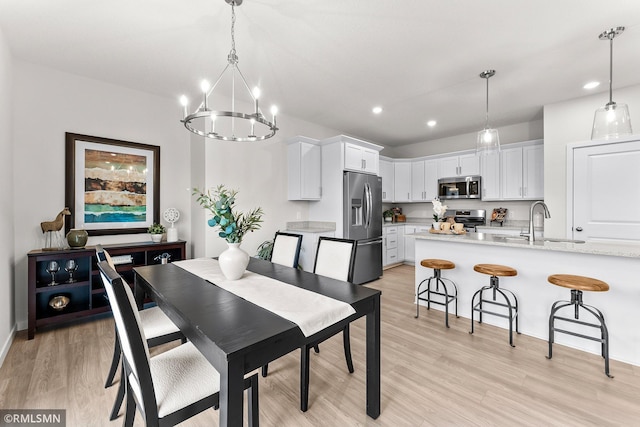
[{"x": 7, "y": 345}]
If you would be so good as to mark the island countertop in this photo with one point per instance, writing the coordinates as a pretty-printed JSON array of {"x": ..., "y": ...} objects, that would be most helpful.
[{"x": 631, "y": 250}]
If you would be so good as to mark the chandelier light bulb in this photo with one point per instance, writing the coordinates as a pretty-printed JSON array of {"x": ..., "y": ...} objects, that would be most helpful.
[
  {"x": 256, "y": 92},
  {"x": 205, "y": 86},
  {"x": 184, "y": 101}
]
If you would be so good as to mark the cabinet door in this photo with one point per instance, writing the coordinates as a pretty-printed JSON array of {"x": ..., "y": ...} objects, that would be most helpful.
[
  {"x": 409, "y": 244},
  {"x": 402, "y": 182},
  {"x": 533, "y": 172},
  {"x": 353, "y": 157},
  {"x": 310, "y": 176},
  {"x": 430, "y": 179},
  {"x": 417, "y": 181},
  {"x": 511, "y": 165},
  {"x": 370, "y": 160},
  {"x": 448, "y": 167},
  {"x": 386, "y": 173},
  {"x": 469, "y": 164},
  {"x": 490, "y": 176}
]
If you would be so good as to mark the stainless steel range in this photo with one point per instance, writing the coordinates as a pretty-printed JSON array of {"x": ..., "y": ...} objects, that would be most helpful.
[{"x": 470, "y": 218}]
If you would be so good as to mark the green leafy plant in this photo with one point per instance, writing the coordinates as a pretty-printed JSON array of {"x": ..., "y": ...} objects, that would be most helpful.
[
  {"x": 265, "y": 249},
  {"x": 156, "y": 229},
  {"x": 388, "y": 213},
  {"x": 233, "y": 225}
]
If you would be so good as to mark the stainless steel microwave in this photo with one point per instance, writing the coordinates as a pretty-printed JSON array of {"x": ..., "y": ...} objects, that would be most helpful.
[{"x": 459, "y": 187}]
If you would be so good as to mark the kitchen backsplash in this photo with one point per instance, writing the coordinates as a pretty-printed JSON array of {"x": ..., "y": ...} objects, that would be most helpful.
[{"x": 517, "y": 210}]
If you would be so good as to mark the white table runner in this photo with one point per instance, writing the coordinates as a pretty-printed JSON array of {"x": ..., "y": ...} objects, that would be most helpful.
[{"x": 312, "y": 312}]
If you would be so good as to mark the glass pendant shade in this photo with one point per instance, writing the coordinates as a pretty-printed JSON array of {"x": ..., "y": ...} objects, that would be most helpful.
[
  {"x": 488, "y": 142},
  {"x": 611, "y": 121}
]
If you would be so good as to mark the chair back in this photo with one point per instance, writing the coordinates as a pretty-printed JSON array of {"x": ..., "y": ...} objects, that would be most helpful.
[
  {"x": 132, "y": 339},
  {"x": 286, "y": 249},
  {"x": 103, "y": 255},
  {"x": 335, "y": 258}
]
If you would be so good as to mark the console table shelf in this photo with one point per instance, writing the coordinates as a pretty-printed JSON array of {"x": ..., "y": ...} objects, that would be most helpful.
[{"x": 87, "y": 296}]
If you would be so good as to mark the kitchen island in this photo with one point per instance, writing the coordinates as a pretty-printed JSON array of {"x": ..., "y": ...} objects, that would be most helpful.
[{"x": 616, "y": 264}]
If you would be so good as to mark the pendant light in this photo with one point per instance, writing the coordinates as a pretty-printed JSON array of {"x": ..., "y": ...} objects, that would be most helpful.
[
  {"x": 612, "y": 120},
  {"x": 488, "y": 138},
  {"x": 230, "y": 125}
]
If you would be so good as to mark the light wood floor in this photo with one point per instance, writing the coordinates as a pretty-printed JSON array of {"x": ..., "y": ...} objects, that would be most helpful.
[{"x": 431, "y": 376}]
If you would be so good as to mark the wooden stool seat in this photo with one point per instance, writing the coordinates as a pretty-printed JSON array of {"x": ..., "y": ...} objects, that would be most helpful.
[
  {"x": 439, "y": 264},
  {"x": 495, "y": 270},
  {"x": 580, "y": 283}
]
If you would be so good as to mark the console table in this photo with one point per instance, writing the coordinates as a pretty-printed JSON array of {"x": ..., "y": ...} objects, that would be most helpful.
[{"x": 86, "y": 293}]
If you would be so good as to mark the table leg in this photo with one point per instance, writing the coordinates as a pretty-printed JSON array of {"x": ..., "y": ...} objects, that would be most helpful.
[
  {"x": 231, "y": 394},
  {"x": 373, "y": 360}
]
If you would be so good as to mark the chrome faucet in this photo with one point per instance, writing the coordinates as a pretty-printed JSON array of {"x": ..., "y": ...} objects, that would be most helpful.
[{"x": 531, "y": 234}]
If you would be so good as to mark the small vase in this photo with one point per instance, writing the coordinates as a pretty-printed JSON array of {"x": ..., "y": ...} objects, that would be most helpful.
[
  {"x": 77, "y": 238},
  {"x": 233, "y": 261},
  {"x": 156, "y": 238},
  {"x": 436, "y": 225}
]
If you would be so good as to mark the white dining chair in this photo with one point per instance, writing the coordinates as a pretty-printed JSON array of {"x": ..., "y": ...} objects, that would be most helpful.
[
  {"x": 158, "y": 329},
  {"x": 286, "y": 249},
  {"x": 172, "y": 386},
  {"x": 335, "y": 258}
]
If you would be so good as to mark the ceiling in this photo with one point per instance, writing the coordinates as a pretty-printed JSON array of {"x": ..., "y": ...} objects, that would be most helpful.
[{"x": 330, "y": 61}]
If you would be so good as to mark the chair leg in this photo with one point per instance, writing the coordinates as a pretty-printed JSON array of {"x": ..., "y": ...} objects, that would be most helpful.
[
  {"x": 304, "y": 378},
  {"x": 115, "y": 361},
  {"x": 265, "y": 370},
  {"x": 119, "y": 398},
  {"x": 130, "y": 411},
  {"x": 316, "y": 348},
  {"x": 347, "y": 348},
  {"x": 252, "y": 402}
]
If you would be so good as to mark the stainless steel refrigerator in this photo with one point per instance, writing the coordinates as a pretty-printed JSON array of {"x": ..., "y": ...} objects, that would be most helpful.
[{"x": 363, "y": 223}]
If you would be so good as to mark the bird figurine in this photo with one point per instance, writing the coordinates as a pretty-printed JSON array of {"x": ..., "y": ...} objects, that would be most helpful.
[{"x": 51, "y": 227}]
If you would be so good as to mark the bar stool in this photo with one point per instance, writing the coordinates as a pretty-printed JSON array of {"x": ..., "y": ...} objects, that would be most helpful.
[
  {"x": 495, "y": 271},
  {"x": 437, "y": 265},
  {"x": 577, "y": 284}
]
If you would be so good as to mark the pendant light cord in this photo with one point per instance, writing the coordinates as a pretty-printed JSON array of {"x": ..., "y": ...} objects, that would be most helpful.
[
  {"x": 486, "y": 121},
  {"x": 611, "y": 36}
]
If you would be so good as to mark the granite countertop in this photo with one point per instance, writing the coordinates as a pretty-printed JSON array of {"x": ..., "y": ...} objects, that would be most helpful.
[
  {"x": 631, "y": 250},
  {"x": 311, "y": 226}
]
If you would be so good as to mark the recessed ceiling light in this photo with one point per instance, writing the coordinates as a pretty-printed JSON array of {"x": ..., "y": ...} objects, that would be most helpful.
[
  {"x": 431, "y": 123},
  {"x": 377, "y": 110},
  {"x": 591, "y": 85}
]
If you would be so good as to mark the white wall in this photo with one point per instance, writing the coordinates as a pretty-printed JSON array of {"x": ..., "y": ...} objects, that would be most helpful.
[
  {"x": 7, "y": 313},
  {"x": 48, "y": 103},
  {"x": 569, "y": 122}
]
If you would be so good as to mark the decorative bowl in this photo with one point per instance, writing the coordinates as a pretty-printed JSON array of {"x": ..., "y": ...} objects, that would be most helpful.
[{"x": 59, "y": 302}]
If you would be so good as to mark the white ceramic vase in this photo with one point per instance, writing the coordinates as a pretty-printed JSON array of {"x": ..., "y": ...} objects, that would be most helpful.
[
  {"x": 156, "y": 238},
  {"x": 436, "y": 225},
  {"x": 233, "y": 262}
]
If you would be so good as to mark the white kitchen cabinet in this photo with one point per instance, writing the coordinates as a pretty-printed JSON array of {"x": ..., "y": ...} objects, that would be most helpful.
[
  {"x": 410, "y": 241},
  {"x": 424, "y": 180},
  {"x": 360, "y": 159},
  {"x": 522, "y": 170},
  {"x": 402, "y": 181},
  {"x": 459, "y": 165},
  {"x": 309, "y": 247},
  {"x": 304, "y": 176},
  {"x": 490, "y": 173},
  {"x": 386, "y": 173},
  {"x": 390, "y": 250}
]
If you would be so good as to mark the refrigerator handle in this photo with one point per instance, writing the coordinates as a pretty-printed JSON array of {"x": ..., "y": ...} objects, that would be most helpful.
[{"x": 368, "y": 204}]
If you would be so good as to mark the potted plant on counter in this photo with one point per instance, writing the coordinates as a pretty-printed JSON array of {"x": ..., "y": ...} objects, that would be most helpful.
[
  {"x": 156, "y": 231},
  {"x": 388, "y": 215},
  {"x": 438, "y": 213}
]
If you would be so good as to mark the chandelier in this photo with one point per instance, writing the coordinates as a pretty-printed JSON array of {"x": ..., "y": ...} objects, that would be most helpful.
[
  {"x": 612, "y": 120},
  {"x": 230, "y": 125},
  {"x": 488, "y": 139}
]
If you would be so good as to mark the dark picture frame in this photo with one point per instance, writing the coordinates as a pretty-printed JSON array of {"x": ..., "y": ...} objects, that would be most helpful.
[{"x": 111, "y": 186}]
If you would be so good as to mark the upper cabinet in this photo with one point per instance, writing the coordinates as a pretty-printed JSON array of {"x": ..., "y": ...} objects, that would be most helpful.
[
  {"x": 402, "y": 181},
  {"x": 522, "y": 172},
  {"x": 459, "y": 165},
  {"x": 424, "y": 180},
  {"x": 360, "y": 159},
  {"x": 304, "y": 160},
  {"x": 490, "y": 172},
  {"x": 386, "y": 173}
]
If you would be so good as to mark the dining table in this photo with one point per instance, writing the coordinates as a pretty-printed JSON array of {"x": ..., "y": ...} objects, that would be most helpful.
[{"x": 238, "y": 336}]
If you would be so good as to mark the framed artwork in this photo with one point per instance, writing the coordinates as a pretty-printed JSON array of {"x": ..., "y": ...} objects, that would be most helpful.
[{"x": 112, "y": 186}]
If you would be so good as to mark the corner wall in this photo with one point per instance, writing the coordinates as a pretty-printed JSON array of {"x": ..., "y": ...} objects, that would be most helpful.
[{"x": 7, "y": 237}]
